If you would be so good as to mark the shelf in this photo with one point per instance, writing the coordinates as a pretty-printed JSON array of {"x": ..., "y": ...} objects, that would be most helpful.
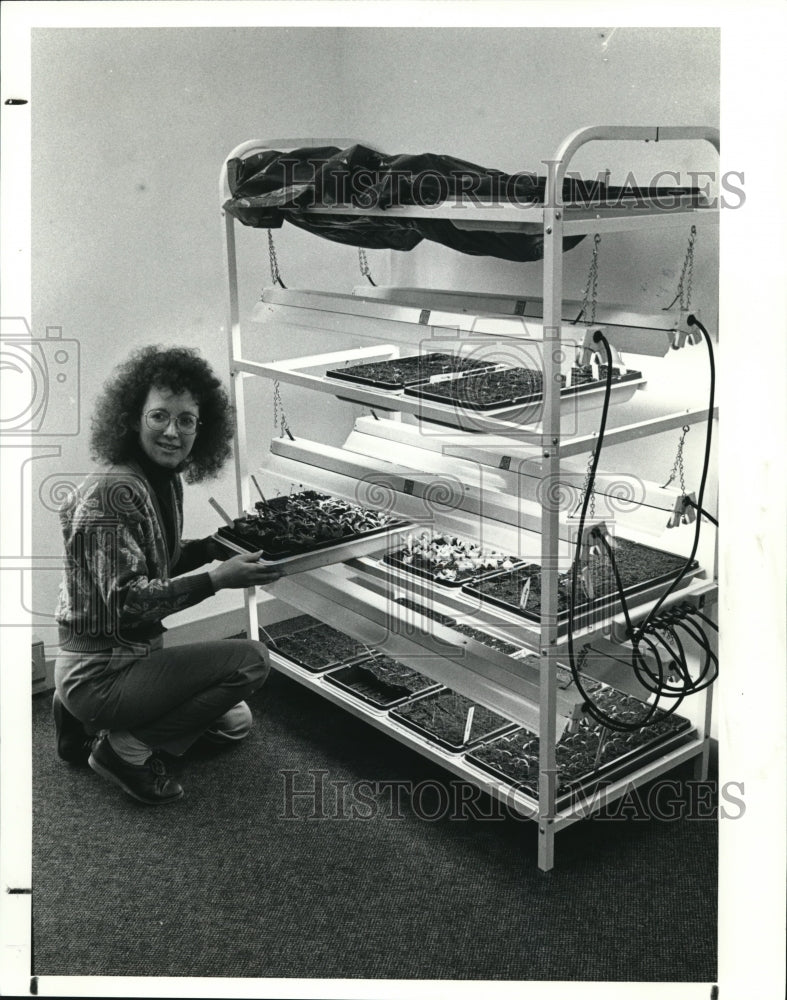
[
  {"x": 497, "y": 464},
  {"x": 381, "y": 578},
  {"x": 505, "y": 792},
  {"x": 506, "y": 684},
  {"x": 309, "y": 373},
  {"x": 493, "y": 519},
  {"x": 502, "y": 217}
]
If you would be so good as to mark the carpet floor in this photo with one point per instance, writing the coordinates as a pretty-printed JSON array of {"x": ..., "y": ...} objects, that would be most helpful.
[{"x": 303, "y": 852}]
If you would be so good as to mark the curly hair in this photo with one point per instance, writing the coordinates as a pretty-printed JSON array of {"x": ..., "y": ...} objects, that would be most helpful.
[{"x": 114, "y": 437}]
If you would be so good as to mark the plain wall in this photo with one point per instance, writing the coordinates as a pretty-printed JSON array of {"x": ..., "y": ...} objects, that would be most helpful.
[{"x": 130, "y": 128}]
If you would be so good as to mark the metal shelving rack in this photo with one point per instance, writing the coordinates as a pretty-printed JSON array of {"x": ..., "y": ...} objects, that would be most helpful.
[{"x": 530, "y": 697}]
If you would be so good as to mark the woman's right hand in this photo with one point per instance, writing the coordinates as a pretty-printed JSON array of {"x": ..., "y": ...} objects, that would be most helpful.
[{"x": 243, "y": 571}]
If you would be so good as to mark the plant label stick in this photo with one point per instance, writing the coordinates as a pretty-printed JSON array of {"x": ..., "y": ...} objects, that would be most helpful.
[
  {"x": 523, "y": 597},
  {"x": 220, "y": 511},
  {"x": 254, "y": 480},
  {"x": 602, "y": 739},
  {"x": 469, "y": 723}
]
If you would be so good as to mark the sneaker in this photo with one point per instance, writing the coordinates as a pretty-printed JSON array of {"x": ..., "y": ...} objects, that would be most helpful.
[
  {"x": 72, "y": 742},
  {"x": 148, "y": 782}
]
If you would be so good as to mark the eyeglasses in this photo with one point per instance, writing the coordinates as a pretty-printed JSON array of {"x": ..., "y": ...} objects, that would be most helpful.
[{"x": 159, "y": 420}]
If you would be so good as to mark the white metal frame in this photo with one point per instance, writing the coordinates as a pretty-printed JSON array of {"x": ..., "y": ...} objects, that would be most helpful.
[{"x": 555, "y": 221}]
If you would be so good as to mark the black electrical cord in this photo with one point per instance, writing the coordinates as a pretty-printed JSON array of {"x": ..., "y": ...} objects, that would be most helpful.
[
  {"x": 710, "y": 657},
  {"x": 675, "y": 620},
  {"x": 707, "y": 620},
  {"x": 597, "y": 714},
  {"x": 704, "y": 513},
  {"x": 692, "y": 321},
  {"x": 656, "y": 684}
]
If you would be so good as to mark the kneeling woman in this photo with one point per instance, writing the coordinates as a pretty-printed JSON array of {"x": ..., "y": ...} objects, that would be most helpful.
[{"x": 162, "y": 413}]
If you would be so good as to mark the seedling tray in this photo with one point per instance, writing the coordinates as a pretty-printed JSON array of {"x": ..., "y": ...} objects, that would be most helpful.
[
  {"x": 287, "y": 626},
  {"x": 441, "y": 718},
  {"x": 446, "y": 559},
  {"x": 640, "y": 566},
  {"x": 513, "y": 757},
  {"x": 381, "y": 681},
  {"x": 400, "y": 372},
  {"x": 319, "y": 648},
  {"x": 304, "y": 523},
  {"x": 498, "y": 390}
]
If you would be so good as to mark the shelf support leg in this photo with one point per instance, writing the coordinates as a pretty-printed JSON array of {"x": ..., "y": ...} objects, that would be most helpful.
[
  {"x": 546, "y": 845},
  {"x": 234, "y": 347},
  {"x": 550, "y": 512}
]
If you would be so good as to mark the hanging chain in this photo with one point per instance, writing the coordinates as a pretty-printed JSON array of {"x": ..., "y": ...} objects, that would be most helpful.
[
  {"x": 686, "y": 275},
  {"x": 275, "y": 276},
  {"x": 677, "y": 468},
  {"x": 279, "y": 417},
  {"x": 590, "y": 294},
  {"x": 585, "y": 486},
  {"x": 364, "y": 265}
]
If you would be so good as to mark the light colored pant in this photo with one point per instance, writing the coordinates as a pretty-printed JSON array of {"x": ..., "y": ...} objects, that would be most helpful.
[{"x": 167, "y": 698}]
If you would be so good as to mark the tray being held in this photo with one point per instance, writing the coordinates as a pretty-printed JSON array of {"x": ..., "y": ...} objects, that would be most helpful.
[{"x": 288, "y": 527}]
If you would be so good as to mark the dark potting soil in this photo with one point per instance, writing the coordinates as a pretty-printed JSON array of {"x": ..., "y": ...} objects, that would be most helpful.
[
  {"x": 288, "y": 626},
  {"x": 399, "y": 372},
  {"x": 442, "y": 718},
  {"x": 507, "y": 387},
  {"x": 583, "y": 374},
  {"x": 319, "y": 647},
  {"x": 301, "y": 522},
  {"x": 380, "y": 680},
  {"x": 637, "y": 565},
  {"x": 486, "y": 389},
  {"x": 514, "y": 756}
]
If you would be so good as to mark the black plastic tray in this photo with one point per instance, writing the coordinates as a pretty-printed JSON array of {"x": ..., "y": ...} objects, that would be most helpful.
[
  {"x": 498, "y": 725},
  {"x": 585, "y": 610},
  {"x": 362, "y": 684},
  {"x": 422, "y": 391},
  {"x": 288, "y": 646},
  {"x": 586, "y": 784},
  {"x": 287, "y": 626},
  {"x": 449, "y": 363},
  {"x": 270, "y": 555},
  {"x": 390, "y": 560}
]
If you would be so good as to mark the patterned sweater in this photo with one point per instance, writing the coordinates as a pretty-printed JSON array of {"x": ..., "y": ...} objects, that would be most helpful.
[{"x": 119, "y": 579}]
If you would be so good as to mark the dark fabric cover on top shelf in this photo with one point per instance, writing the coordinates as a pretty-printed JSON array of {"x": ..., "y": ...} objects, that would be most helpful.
[{"x": 270, "y": 187}]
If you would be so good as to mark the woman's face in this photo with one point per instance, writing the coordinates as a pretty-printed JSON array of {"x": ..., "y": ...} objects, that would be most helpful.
[{"x": 160, "y": 438}]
